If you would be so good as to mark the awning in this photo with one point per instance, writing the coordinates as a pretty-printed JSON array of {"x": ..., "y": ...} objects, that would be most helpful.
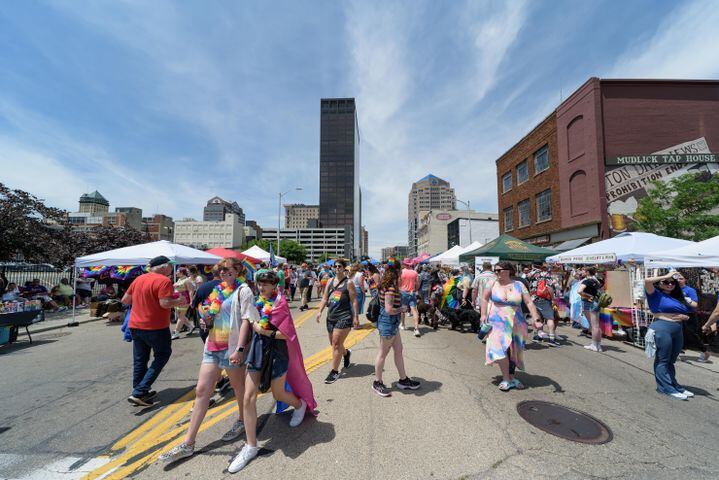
[{"x": 571, "y": 244}]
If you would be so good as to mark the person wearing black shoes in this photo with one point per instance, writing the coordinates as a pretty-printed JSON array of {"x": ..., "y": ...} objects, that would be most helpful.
[
  {"x": 341, "y": 298},
  {"x": 388, "y": 328}
]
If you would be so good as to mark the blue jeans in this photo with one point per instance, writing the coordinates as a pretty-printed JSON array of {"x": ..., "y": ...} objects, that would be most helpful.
[
  {"x": 360, "y": 302},
  {"x": 144, "y": 341},
  {"x": 669, "y": 340}
]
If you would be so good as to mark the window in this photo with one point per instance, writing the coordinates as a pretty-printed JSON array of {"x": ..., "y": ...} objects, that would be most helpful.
[
  {"x": 507, "y": 182},
  {"x": 508, "y": 219},
  {"x": 522, "y": 172},
  {"x": 523, "y": 208},
  {"x": 544, "y": 206},
  {"x": 541, "y": 160}
]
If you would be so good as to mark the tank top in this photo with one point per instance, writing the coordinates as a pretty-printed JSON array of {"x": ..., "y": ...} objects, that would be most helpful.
[{"x": 339, "y": 307}]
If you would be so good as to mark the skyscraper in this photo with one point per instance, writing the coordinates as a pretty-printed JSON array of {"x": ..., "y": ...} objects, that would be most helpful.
[
  {"x": 340, "y": 200},
  {"x": 428, "y": 193}
]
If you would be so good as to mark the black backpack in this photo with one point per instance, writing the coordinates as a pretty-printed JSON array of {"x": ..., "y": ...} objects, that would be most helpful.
[{"x": 373, "y": 309}]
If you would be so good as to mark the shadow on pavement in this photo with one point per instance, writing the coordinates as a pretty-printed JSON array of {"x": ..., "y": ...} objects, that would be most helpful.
[
  {"x": 23, "y": 344},
  {"x": 358, "y": 370},
  {"x": 700, "y": 392},
  {"x": 163, "y": 399},
  {"x": 426, "y": 387},
  {"x": 292, "y": 442},
  {"x": 533, "y": 381}
]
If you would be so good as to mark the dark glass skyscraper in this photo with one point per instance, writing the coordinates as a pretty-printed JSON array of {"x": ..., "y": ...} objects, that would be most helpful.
[{"x": 340, "y": 201}]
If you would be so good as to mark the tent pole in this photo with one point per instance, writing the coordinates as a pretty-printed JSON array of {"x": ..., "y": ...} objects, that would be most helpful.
[{"x": 73, "y": 322}]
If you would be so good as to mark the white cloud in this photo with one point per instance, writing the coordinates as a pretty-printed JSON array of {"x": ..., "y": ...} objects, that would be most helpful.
[{"x": 685, "y": 45}]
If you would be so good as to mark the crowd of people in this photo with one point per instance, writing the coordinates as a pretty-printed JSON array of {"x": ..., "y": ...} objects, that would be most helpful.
[{"x": 247, "y": 330}]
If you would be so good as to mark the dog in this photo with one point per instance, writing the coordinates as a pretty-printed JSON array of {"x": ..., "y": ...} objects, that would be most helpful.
[
  {"x": 461, "y": 317},
  {"x": 425, "y": 312}
]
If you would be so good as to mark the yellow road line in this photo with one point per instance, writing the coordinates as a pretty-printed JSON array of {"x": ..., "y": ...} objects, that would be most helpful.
[{"x": 161, "y": 430}]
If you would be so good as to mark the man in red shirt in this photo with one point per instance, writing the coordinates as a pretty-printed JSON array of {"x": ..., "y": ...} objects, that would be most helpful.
[
  {"x": 408, "y": 286},
  {"x": 151, "y": 296}
]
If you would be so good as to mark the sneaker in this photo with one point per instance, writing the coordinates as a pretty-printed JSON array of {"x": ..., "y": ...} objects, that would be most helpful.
[
  {"x": 140, "y": 400},
  {"x": 401, "y": 327},
  {"x": 408, "y": 384},
  {"x": 175, "y": 336},
  {"x": 332, "y": 377},
  {"x": 346, "y": 358},
  {"x": 62, "y": 309},
  {"x": 592, "y": 347},
  {"x": 417, "y": 333},
  {"x": 222, "y": 384},
  {"x": 703, "y": 357},
  {"x": 299, "y": 414},
  {"x": 191, "y": 331},
  {"x": 177, "y": 453},
  {"x": 380, "y": 389},
  {"x": 687, "y": 393},
  {"x": 235, "y": 431},
  {"x": 552, "y": 342},
  {"x": 243, "y": 458},
  {"x": 678, "y": 395}
]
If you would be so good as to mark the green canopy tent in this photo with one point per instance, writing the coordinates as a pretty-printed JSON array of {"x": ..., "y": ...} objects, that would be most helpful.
[{"x": 506, "y": 247}]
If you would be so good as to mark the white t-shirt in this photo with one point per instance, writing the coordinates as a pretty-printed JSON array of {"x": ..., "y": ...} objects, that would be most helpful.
[{"x": 246, "y": 306}]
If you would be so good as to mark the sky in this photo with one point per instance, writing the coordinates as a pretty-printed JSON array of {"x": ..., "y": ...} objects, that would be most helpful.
[{"x": 163, "y": 105}]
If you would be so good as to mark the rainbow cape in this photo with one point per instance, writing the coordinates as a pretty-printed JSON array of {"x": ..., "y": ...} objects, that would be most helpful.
[{"x": 297, "y": 378}]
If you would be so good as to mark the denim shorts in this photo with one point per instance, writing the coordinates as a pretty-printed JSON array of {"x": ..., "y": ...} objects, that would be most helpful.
[
  {"x": 387, "y": 325},
  {"x": 590, "y": 306},
  {"x": 544, "y": 307},
  {"x": 408, "y": 299},
  {"x": 221, "y": 358}
]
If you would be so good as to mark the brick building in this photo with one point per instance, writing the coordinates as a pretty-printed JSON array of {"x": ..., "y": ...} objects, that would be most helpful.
[{"x": 605, "y": 144}]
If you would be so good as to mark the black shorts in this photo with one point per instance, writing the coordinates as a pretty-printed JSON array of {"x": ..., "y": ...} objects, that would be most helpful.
[{"x": 340, "y": 324}]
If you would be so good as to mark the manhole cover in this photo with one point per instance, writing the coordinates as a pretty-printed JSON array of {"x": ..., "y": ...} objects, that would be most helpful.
[{"x": 564, "y": 422}]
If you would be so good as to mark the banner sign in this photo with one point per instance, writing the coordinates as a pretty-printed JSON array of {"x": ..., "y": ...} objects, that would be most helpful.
[
  {"x": 478, "y": 261},
  {"x": 663, "y": 159},
  {"x": 590, "y": 258}
]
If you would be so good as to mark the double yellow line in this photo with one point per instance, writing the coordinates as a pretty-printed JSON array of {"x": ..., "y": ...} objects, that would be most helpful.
[{"x": 143, "y": 446}]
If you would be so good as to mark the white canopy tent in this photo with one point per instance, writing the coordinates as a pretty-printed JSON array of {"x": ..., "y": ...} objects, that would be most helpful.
[
  {"x": 699, "y": 254},
  {"x": 625, "y": 247},
  {"x": 450, "y": 257},
  {"x": 143, "y": 253},
  {"x": 260, "y": 254}
]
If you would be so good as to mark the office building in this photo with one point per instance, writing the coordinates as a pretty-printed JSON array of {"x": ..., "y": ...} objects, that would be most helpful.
[
  {"x": 159, "y": 227},
  {"x": 340, "y": 198},
  {"x": 433, "y": 233},
  {"x": 210, "y": 234},
  {"x": 124, "y": 216},
  {"x": 398, "y": 252},
  {"x": 217, "y": 208},
  {"x": 365, "y": 241},
  {"x": 463, "y": 231},
  {"x": 299, "y": 215},
  {"x": 94, "y": 204},
  {"x": 578, "y": 176},
  {"x": 330, "y": 242},
  {"x": 428, "y": 193}
]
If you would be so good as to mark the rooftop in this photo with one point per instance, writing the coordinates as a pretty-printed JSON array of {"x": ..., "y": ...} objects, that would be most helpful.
[
  {"x": 94, "y": 197},
  {"x": 429, "y": 178}
]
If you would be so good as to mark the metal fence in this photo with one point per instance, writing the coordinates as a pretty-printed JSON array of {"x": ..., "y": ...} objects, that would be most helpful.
[{"x": 49, "y": 276}]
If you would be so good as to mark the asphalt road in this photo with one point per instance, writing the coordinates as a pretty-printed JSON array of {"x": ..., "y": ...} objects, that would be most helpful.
[{"x": 64, "y": 414}]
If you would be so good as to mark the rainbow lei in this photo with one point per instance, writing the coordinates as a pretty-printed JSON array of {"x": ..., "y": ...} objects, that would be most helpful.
[
  {"x": 221, "y": 293},
  {"x": 264, "y": 306}
]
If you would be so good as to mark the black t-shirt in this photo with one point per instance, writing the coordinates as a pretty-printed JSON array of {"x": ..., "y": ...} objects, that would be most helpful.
[
  {"x": 591, "y": 286},
  {"x": 204, "y": 291}
]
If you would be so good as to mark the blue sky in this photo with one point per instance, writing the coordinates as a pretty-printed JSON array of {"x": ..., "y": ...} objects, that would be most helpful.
[{"x": 162, "y": 105}]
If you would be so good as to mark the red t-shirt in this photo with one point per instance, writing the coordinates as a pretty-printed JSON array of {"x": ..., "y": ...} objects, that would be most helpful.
[
  {"x": 408, "y": 280},
  {"x": 146, "y": 292}
]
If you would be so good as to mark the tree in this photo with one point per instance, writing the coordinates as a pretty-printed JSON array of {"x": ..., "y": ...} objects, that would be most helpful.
[
  {"x": 681, "y": 207},
  {"x": 324, "y": 257},
  {"x": 294, "y": 252},
  {"x": 27, "y": 226}
]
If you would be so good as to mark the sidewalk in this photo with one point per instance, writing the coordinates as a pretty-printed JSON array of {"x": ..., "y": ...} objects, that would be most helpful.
[{"x": 55, "y": 321}]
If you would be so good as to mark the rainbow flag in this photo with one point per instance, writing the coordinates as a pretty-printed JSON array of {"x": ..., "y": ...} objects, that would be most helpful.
[
  {"x": 448, "y": 300},
  {"x": 606, "y": 322},
  {"x": 94, "y": 272}
]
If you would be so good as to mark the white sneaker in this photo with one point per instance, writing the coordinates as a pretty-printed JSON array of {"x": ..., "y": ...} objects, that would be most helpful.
[
  {"x": 237, "y": 428},
  {"x": 243, "y": 458},
  {"x": 591, "y": 347},
  {"x": 703, "y": 357},
  {"x": 401, "y": 327},
  {"x": 299, "y": 414},
  {"x": 416, "y": 333},
  {"x": 175, "y": 336},
  {"x": 678, "y": 395},
  {"x": 687, "y": 393}
]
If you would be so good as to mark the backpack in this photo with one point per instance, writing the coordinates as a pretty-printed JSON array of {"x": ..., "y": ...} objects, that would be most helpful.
[
  {"x": 543, "y": 290},
  {"x": 605, "y": 300},
  {"x": 373, "y": 309}
]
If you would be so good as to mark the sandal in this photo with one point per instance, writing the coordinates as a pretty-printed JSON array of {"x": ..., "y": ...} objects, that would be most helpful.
[
  {"x": 516, "y": 384},
  {"x": 505, "y": 386}
]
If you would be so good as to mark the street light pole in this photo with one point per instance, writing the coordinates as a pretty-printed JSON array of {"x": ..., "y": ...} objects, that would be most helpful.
[
  {"x": 469, "y": 220},
  {"x": 279, "y": 216}
]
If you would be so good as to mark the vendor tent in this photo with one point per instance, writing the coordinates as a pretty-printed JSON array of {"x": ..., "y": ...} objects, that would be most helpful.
[
  {"x": 227, "y": 253},
  {"x": 143, "y": 253},
  {"x": 699, "y": 254},
  {"x": 625, "y": 247},
  {"x": 262, "y": 255},
  {"x": 506, "y": 247},
  {"x": 450, "y": 257}
]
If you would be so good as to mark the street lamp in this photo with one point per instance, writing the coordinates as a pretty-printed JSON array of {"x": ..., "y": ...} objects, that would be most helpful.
[
  {"x": 279, "y": 216},
  {"x": 469, "y": 220}
]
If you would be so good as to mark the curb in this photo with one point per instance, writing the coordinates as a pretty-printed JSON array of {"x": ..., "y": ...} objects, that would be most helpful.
[{"x": 56, "y": 327}]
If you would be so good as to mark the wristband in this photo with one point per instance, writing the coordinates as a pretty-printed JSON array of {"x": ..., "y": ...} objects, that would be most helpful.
[
  {"x": 273, "y": 334},
  {"x": 240, "y": 349}
]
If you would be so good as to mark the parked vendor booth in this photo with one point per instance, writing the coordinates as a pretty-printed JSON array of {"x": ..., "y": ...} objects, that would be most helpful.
[{"x": 623, "y": 256}]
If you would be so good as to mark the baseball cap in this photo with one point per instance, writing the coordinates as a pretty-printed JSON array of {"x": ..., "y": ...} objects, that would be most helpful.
[{"x": 160, "y": 260}]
